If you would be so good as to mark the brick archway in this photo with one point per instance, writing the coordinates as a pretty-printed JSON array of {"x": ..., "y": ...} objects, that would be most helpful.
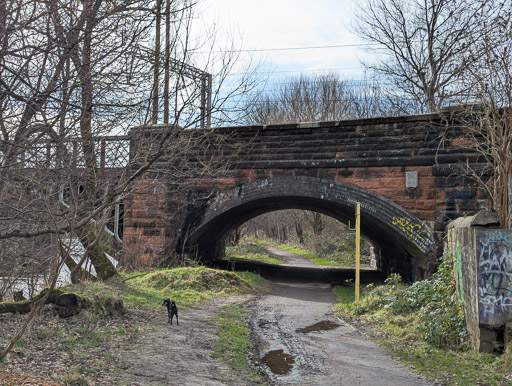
[{"x": 400, "y": 235}]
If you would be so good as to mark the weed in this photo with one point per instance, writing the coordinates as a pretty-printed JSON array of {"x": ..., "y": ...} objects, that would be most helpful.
[
  {"x": 440, "y": 318},
  {"x": 73, "y": 379},
  {"x": 50, "y": 333},
  {"x": 507, "y": 359},
  {"x": 346, "y": 295},
  {"x": 234, "y": 343},
  {"x": 21, "y": 343}
]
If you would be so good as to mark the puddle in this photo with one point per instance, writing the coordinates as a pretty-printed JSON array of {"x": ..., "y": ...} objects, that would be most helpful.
[
  {"x": 324, "y": 325},
  {"x": 262, "y": 323},
  {"x": 279, "y": 362}
]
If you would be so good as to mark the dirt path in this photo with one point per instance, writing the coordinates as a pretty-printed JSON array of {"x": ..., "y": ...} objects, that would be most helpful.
[
  {"x": 291, "y": 259},
  {"x": 179, "y": 355},
  {"x": 340, "y": 355}
]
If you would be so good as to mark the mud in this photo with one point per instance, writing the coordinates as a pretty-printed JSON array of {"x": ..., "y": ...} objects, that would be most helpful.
[
  {"x": 278, "y": 362},
  {"x": 324, "y": 325}
]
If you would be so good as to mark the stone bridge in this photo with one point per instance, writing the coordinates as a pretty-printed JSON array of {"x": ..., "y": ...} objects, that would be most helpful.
[{"x": 407, "y": 172}]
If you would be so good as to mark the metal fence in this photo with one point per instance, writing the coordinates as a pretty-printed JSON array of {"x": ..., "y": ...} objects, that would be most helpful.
[{"x": 111, "y": 152}]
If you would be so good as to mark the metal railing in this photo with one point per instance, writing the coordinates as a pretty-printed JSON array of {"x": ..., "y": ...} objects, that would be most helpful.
[{"x": 111, "y": 152}]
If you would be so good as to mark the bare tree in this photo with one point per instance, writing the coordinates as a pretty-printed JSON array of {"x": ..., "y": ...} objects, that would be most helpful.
[
  {"x": 488, "y": 113},
  {"x": 453, "y": 51},
  {"x": 424, "y": 44},
  {"x": 70, "y": 73},
  {"x": 321, "y": 98}
]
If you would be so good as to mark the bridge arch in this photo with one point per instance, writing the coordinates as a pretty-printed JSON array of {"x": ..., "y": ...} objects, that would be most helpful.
[{"x": 400, "y": 236}]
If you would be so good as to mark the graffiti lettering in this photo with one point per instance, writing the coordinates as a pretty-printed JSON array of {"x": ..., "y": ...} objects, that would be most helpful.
[
  {"x": 494, "y": 252},
  {"x": 499, "y": 237},
  {"x": 460, "y": 194},
  {"x": 415, "y": 232}
]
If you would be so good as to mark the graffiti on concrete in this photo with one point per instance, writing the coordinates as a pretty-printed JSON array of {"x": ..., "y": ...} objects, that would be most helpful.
[
  {"x": 465, "y": 194},
  {"x": 417, "y": 233},
  {"x": 494, "y": 251}
]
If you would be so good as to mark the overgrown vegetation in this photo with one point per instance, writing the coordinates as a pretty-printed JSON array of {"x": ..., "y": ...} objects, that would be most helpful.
[
  {"x": 234, "y": 344},
  {"x": 423, "y": 324},
  {"x": 338, "y": 250},
  {"x": 88, "y": 336},
  {"x": 251, "y": 252},
  {"x": 186, "y": 286},
  {"x": 437, "y": 314}
]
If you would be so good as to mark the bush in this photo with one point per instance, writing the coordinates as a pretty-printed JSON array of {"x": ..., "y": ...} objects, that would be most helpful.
[
  {"x": 440, "y": 317},
  {"x": 339, "y": 249}
]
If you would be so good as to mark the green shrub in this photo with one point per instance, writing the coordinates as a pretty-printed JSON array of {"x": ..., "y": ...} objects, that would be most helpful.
[
  {"x": 440, "y": 318},
  {"x": 338, "y": 249}
]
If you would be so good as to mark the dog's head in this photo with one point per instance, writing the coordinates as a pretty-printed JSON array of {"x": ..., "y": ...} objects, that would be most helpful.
[{"x": 167, "y": 302}]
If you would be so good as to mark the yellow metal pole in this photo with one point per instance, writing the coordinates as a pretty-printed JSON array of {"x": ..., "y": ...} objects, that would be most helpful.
[{"x": 358, "y": 248}]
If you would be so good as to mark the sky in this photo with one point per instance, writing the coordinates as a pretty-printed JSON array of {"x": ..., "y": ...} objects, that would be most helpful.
[{"x": 271, "y": 25}]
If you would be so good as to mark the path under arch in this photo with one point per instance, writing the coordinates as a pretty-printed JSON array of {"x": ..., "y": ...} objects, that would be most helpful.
[{"x": 400, "y": 236}]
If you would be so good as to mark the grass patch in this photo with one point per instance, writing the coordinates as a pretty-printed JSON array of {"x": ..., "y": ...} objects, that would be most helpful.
[
  {"x": 323, "y": 261},
  {"x": 298, "y": 251},
  {"x": 73, "y": 378},
  {"x": 186, "y": 286},
  {"x": 234, "y": 344},
  {"x": 21, "y": 343},
  {"x": 252, "y": 252},
  {"x": 345, "y": 295}
]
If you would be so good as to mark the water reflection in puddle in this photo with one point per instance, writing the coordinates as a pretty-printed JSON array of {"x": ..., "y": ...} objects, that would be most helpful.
[
  {"x": 324, "y": 325},
  {"x": 279, "y": 362}
]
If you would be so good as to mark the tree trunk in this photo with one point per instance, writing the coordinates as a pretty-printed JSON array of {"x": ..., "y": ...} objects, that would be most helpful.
[
  {"x": 300, "y": 231},
  {"x": 88, "y": 236},
  {"x": 318, "y": 224},
  {"x": 156, "y": 69},
  {"x": 24, "y": 306}
]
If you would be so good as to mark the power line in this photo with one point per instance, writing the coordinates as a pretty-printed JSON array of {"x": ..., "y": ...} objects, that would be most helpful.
[
  {"x": 297, "y": 71},
  {"x": 296, "y": 48}
]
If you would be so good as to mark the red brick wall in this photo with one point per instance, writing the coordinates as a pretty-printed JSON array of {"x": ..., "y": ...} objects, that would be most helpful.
[{"x": 145, "y": 235}]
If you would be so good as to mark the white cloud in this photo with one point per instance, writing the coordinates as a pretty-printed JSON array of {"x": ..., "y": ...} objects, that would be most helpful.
[{"x": 270, "y": 24}]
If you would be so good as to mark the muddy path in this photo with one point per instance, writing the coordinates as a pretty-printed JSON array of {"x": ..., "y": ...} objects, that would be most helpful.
[{"x": 300, "y": 341}]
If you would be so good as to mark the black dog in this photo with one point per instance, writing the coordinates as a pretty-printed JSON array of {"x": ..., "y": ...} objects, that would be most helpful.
[{"x": 171, "y": 310}]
